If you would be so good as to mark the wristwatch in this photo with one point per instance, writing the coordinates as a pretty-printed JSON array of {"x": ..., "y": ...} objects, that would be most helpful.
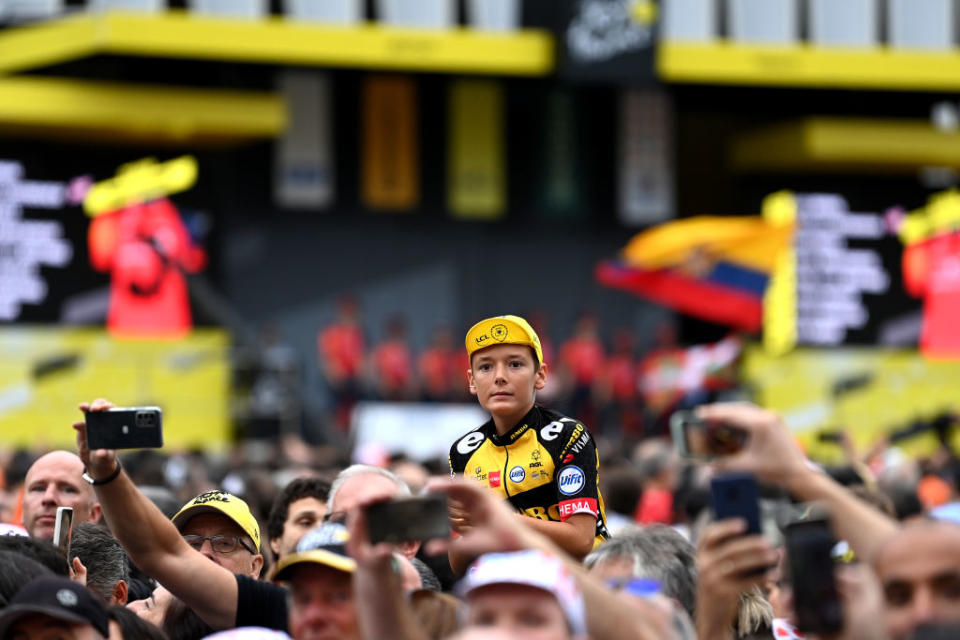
[{"x": 110, "y": 478}]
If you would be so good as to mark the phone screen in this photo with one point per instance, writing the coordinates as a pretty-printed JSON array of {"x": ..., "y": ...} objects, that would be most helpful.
[
  {"x": 704, "y": 439},
  {"x": 62, "y": 529},
  {"x": 407, "y": 519},
  {"x": 810, "y": 565}
]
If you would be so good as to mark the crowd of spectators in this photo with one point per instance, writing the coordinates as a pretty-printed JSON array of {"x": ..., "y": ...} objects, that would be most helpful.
[
  {"x": 195, "y": 545},
  {"x": 597, "y": 377}
]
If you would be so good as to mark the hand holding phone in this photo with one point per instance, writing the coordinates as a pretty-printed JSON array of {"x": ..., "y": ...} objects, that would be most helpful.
[
  {"x": 702, "y": 439},
  {"x": 125, "y": 428},
  {"x": 407, "y": 519}
]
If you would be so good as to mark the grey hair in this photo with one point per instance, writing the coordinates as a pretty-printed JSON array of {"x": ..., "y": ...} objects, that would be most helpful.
[
  {"x": 103, "y": 556},
  {"x": 659, "y": 553},
  {"x": 355, "y": 470}
]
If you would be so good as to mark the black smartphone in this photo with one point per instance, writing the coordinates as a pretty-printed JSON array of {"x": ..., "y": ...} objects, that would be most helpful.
[
  {"x": 62, "y": 529},
  {"x": 125, "y": 428},
  {"x": 810, "y": 565},
  {"x": 704, "y": 439},
  {"x": 735, "y": 495},
  {"x": 406, "y": 519}
]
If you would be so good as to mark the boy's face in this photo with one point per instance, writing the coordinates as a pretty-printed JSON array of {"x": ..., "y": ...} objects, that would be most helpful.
[{"x": 505, "y": 379}]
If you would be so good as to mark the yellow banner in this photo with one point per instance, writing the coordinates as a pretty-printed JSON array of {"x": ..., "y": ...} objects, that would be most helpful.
[
  {"x": 391, "y": 154},
  {"x": 869, "y": 392},
  {"x": 46, "y": 372},
  {"x": 476, "y": 175}
]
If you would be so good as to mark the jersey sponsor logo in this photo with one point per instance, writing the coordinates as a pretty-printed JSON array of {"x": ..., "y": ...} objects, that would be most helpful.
[
  {"x": 517, "y": 474},
  {"x": 567, "y": 458},
  {"x": 568, "y": 508},
  {"x": 519, "y": 432},
  {"x": 540, "y": 513},
  {"x": 581, "y": 443},
  {"x": 470, "y": 442},
  {"x": 494, "y": 478},
  {"x": 552, "y": 431},
  {"x": 578, "y": 430},
  {"x": 570, "y": 480}
]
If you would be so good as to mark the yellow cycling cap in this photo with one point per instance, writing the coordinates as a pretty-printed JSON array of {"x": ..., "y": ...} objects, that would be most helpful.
[
  {"x": 225, "y": 504},
  {"x": 503, "y": 330}
]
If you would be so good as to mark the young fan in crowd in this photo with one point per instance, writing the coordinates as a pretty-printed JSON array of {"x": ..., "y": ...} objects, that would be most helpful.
[{"x": 543, "y": 463}]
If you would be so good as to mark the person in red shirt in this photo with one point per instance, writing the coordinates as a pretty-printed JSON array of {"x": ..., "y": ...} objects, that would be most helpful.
[
  {"x": 438, "y": 368},
  {"x": 391, "y": 364},
  {"x": 583, "y": 358},
  {"x": 619, "y": 391},
  {"x": 341, "y": 349}
]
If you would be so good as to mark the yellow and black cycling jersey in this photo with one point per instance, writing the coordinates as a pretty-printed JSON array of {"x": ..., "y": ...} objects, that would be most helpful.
[{"x": 547, "y": 466}]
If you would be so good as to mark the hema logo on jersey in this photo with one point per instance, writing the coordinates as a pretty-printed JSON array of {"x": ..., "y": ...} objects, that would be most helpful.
[
  {"x": 517, "y": 474},
  {"x": 570, "y": 480}
]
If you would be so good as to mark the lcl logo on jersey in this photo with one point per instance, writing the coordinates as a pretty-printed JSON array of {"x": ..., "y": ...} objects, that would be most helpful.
[{"x": 570, "y": 480}]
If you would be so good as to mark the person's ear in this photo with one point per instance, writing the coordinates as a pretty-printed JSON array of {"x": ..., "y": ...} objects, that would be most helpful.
[
  {"x": 256, "y": 566},
  {"x": 120, "y": 593},
  {"x": 275, "y": 547},
  {"x": 540, "y": 380},
  {"x": 96, "y": 512},
  {"x": 472, "y": 384}
]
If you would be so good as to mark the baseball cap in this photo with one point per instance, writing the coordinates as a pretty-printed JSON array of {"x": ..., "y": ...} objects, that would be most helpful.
[
  {"x": 59, "y": 598},
  {"x": 324, "y": 545},
  {"x": 503, "y": 330},
  {"x": 223, "y": 503},
  {"x": 533, "y": 569}
]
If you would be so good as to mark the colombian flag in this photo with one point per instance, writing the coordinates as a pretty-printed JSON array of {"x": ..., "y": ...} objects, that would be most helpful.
[{"x": 714, "y": 268}]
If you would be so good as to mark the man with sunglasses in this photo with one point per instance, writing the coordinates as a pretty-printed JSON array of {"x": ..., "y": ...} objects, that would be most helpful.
[{"x": 220, "y": 526}]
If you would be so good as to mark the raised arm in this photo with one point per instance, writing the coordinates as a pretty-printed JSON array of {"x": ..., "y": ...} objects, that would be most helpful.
[
  {"x": 153, "y": 542},
  {"x": 773, "y": 456}
]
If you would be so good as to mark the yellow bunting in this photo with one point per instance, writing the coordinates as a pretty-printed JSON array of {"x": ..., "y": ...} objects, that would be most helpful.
[
  {"x": 391, "y": 156},
  {"x": 476, "y": 173},
  {"x": 780, "y": 298},
  {"x": 140, "y": 181}
]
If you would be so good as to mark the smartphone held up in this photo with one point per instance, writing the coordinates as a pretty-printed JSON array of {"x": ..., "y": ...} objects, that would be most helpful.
[
  {"x": 405, "y": 519},
  {"x": 62, "y": 530},
  {"x": 125, "y": 428},
  {"x": 702, "y": 439}
]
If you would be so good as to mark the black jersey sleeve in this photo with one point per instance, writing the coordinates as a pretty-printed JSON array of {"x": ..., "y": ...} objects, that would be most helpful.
[
  {"x": 577, "y": 473},
  {"x": 463, "y": 448}
]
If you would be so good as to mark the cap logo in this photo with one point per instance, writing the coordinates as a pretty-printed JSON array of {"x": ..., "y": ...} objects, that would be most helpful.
[
  {"x": 211, "y": 496},
  {"x": 67, "y": 598},
  {"x": 481, "y": 339},
  {"x": 499, "y": 332}
]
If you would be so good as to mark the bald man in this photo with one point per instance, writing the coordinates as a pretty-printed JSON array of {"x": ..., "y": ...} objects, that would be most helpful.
[
  {"x": 919, "y": 570},
  {"x": 56, "y": 480}
]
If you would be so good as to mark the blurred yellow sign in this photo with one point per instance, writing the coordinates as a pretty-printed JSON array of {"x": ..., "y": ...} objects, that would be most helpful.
[
  {"x": 476, "y": 175},
  {"x": 46, "y": 372},
  {"x": 941, "y": 215},
  {"x": 870, "y": 392},
  {"x": 140, "y": 181}
]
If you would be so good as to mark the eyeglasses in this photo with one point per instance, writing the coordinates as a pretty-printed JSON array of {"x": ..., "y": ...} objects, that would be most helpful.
[
  {"x": 336, "y": 516},
  {"x": 219, "y": 544}
]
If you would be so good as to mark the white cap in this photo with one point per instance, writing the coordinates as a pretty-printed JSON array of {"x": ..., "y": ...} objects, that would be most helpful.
[{"x": 533, "y": 569}]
